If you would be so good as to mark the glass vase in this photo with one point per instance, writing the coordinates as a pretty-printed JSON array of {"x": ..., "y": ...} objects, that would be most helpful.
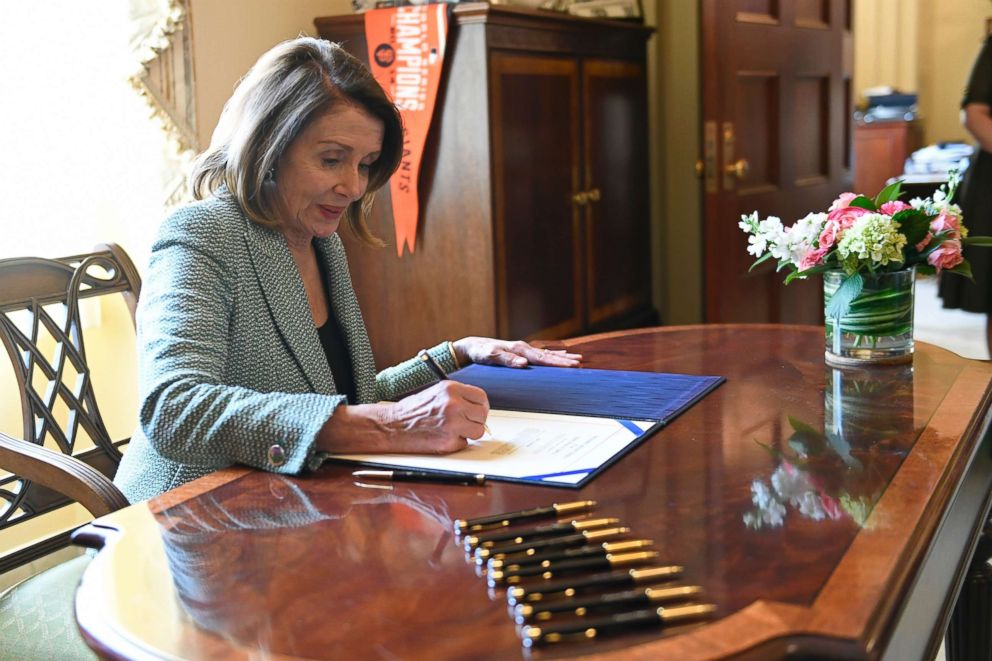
[{"x": 878, "y": 328}]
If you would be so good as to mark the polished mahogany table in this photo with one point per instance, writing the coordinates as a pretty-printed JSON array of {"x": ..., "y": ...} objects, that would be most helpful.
[{"x": 826, "y": 513}]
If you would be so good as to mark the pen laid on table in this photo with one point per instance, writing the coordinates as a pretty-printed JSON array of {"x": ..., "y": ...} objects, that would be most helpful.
[
  {"x": 488, "y": 540},
  {"x": 518, "y": 560},
  {"x": 537, "y": 545},
  {"x": 553, "y": 569},
  {"x": 428, "y": 360},
  {"x": 584, "y": 629},
  {"x": 463, "y": 526},
  {"x": 420, "y": 476},
  {"x": 581, "y": 606},
  {"x": 567, "y": 587}
]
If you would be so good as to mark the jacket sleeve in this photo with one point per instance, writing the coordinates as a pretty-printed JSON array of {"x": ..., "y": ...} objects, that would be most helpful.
[
  {"x": 393, "y": 382},
  {"x": 188, "y": 410}
]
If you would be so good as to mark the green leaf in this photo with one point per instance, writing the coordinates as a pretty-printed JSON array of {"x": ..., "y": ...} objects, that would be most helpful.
[
  {"x": 761, "y": 259},
  {"x": 913, "y": 224},
  {"x": 840, "y": 302},
  {"x": 925, "y": 269},
  {"x": 799, "y": 425},
  {"x": 813, "y": 270},
  {"x": 863, "y": 202},
  {"x": 964, "y": 268},
  {"x": 889, "y": 193},
  {"x": 982, "y": 241}
]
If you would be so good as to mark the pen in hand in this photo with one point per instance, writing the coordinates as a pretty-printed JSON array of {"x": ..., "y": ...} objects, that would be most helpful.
[
  {"x": 428, "y": 360},
  {"x": 420, "y": 476}
]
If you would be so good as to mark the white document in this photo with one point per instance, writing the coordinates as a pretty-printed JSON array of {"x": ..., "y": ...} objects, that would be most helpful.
[{"x": 536, "y": 447}]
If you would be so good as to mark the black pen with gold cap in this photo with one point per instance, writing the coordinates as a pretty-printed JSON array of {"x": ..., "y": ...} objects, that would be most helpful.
[
  {"x": 582, "y": 605},
  {"x": 578, "y": 539},
  {"x": 589, "y": 628},
  {"x": 537, "y": 556},
  {"x": 552, "y": 569},
  {"x": 568, "y": 587},
  {"x": 488, "y": 540},
  {"x": 463, "y": 526}
]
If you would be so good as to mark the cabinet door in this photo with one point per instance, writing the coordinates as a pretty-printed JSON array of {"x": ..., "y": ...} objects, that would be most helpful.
[
  {"x": 615, "y": 139},
  {"x": 535, "y": 141}
]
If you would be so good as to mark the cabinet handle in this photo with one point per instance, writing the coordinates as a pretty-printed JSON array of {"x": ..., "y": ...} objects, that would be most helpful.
[
  {"x": 738, "y": 168},
  {"x": 584, "y": 197}
]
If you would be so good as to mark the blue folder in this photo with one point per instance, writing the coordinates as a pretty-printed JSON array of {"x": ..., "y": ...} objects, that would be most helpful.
[
  {"x": 640, "y": 402},
  {"x": 617, "y": 394}
]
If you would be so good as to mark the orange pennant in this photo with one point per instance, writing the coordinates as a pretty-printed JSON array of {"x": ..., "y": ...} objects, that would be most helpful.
[{"x": 406, "y": 52}]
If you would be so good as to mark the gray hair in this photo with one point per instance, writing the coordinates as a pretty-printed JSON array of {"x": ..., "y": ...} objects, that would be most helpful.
[{"x": 281, "y": 94}]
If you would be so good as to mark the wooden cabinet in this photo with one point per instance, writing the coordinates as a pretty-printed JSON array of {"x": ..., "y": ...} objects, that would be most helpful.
[
  {"x": 880, "y": 152},
  {"x": 534, "y": 188}
]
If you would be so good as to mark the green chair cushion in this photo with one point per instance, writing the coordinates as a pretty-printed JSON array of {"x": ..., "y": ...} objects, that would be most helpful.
[{"x": 37, "y": 619}]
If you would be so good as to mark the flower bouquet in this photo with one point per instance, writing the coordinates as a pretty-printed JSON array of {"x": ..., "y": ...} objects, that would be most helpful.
[{"x": 868, "y": 250}]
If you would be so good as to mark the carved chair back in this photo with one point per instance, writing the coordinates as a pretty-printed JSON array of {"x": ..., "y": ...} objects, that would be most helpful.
[{"x": 42, "y": 333}]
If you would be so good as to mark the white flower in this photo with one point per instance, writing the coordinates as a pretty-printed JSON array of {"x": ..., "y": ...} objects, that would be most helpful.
[
  {"x": 809, "y": 506},
  {"x": 874, "y": 237},
  {"x": 789, "y": 482},
  {"x": 749, "y": 223},
  {"x": 756, "y": 245},
  {"x": 769, "y": 510}
]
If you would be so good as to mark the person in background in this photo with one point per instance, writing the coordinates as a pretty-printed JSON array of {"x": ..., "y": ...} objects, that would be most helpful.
[
  {"x": 975, "y": 195},
  {"x": 252, "y": 349}
]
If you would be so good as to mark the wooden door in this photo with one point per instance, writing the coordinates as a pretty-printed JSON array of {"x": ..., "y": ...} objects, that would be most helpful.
[
  {"x": 776, "y": 104},
  {"x": 615, "y": 166},
  {"x": 536, "y": 157}
]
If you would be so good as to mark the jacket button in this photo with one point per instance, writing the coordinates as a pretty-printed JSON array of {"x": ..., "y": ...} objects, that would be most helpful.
[{"x": 277, "y": 455}]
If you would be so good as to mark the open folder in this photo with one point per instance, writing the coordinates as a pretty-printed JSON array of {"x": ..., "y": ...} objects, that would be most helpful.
[{"x": 558, "y": 426}]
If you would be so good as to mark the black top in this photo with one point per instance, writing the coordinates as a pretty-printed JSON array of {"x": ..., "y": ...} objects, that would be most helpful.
[
  {"x": 337, "y": 357},
  {"x": 335, "y": 348},
  {"x": 975, "y": 199}
]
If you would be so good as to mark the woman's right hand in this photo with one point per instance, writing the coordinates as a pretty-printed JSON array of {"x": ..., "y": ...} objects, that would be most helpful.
[{"x": 437, "y": 420}]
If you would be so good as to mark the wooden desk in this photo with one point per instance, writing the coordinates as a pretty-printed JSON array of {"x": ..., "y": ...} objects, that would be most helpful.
[{"x": 245, "y": 563}]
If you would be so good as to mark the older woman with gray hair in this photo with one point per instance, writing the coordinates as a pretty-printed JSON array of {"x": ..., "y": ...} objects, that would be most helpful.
[{"x": 252, "y": 348}]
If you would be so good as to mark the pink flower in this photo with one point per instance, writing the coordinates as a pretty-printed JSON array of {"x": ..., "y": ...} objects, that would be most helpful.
[
  {"x": 830, "y": 234},
  {"x": 894, "y": 207},
  {"x": 812, "y": 258},
  {"x": 946, "y": 222},
  {"x": 925, "y": 242},
  {"x": 846, "y": 216},
  {"x": 947, "y": 256},
  {"x": 831, "y": 506},
  {"x": 843, "y": 201}
]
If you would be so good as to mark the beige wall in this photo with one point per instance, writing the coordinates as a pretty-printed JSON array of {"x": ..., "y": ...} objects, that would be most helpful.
[
  {"x": 926, "y": 46},
  {"x": 228, "y": 37},
  {"x": 675, "y": 191}
]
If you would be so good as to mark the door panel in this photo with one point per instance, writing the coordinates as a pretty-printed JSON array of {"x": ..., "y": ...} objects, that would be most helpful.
[
  {"x": 536, "y": 156},
  {"x": 776, "y": 83},
  {"x": 618, "y": 278}
]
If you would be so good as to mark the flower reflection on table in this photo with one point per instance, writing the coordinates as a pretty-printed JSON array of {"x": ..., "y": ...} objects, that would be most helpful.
[{"x": 839, "y": 472}]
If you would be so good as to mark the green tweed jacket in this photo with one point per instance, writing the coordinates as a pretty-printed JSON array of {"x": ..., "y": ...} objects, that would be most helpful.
[{"x": 231, "y": 370}]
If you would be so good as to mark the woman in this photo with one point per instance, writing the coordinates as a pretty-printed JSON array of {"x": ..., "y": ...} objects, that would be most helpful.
[
  {"x": 252, "y": 348},
  {"x": 975, "y": 197}
]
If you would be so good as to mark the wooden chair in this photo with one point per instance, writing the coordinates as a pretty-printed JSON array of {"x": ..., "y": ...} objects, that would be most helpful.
[{"x": 44, "y": 470}]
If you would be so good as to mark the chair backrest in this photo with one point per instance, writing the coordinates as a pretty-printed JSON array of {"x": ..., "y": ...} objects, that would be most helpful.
[{"x": 40, "y": 328}]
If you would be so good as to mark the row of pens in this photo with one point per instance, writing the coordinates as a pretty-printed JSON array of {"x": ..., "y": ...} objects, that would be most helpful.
[{"x": 577, "y": 577}]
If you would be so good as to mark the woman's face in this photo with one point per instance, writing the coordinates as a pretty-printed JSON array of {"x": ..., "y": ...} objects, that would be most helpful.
[{"x": 326, "y": 169}]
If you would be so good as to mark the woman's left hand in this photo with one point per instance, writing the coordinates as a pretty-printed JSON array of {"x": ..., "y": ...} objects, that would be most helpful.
[{"x": 517, "y": 353}]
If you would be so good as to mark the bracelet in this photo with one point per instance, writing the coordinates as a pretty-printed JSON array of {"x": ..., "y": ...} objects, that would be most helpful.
[{"x": 454, "y": 355}]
